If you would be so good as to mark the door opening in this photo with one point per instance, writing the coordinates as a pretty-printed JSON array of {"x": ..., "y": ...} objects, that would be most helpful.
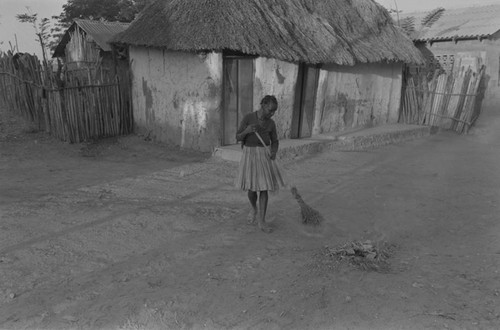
[
  {"x": 305, "y": 101},
  {"x": 238, "y": 94}
]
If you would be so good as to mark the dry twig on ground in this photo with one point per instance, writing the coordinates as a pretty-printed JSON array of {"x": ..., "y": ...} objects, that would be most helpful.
[{"x": 365, "y": 255}]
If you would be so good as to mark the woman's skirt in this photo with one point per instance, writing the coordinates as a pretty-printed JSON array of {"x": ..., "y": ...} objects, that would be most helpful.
[{"x": 257, "y": 172}]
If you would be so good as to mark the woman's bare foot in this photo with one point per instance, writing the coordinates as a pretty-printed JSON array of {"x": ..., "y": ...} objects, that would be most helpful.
[
  {"x": 252, "y": 217},
  {"x": 264, "y": 227}
]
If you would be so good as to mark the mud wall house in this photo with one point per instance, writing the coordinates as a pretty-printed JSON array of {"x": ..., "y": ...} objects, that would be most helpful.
[
  {"x": 463, "y": 37},
  {"x": 199, "y": 66},
  {"x": 85, "y": 45}
]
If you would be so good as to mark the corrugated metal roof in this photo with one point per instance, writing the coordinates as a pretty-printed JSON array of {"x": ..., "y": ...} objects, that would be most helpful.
[
  {"x": 459, "y": 23},
  {"x": 100, "y": 31}
]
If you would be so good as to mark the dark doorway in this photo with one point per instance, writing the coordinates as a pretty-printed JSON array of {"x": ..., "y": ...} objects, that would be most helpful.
[
  {"x": 238, "y": 94},
  {"x": 305, "y": 100}
]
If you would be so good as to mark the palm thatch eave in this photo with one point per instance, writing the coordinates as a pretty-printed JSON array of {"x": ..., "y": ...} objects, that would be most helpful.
[{"x": 311, "y": 31}]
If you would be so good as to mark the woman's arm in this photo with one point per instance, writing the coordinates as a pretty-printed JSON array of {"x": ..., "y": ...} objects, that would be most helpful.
[{"x": 241, "y": 132}]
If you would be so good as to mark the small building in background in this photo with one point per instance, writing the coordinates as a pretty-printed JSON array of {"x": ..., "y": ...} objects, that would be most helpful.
[
  {"x": 460, "y": 38},
  {"x": 85, "y": 45}
]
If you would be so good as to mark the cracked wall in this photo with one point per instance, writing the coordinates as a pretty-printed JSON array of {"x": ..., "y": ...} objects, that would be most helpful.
[
  {"x": 278, "y": 78},
  {"x": 177, "y": 97},
  {"x": 357, "y": 96}
]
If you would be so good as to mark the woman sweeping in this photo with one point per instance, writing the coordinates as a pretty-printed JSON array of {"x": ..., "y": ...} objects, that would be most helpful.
[{"x": 258, "y": 172}]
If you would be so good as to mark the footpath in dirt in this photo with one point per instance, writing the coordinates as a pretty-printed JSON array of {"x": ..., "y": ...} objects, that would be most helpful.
[{"x": 127, "y": 234}]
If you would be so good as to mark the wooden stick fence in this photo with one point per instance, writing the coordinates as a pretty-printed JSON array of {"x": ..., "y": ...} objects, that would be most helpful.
[
  {"x": 79, "y": 108},
  {"x": 447, "y": 100}
]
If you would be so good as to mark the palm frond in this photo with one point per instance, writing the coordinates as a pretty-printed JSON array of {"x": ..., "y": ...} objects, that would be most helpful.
[
  {"x": 408, "y": 25},
  {"x": 432, "y": 17}
]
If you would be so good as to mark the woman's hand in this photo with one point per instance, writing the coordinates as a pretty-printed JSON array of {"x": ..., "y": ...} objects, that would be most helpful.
[{"x": 250, "y": 129}]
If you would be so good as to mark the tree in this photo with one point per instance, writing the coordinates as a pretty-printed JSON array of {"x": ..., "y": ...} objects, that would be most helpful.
[
  {"x": 408, "y": 23},
  {"x": 90, "y": 9},
  {"x": 129, "y": 9},
  {"x": 109, "y": 10},
  {"x": 41, "y": 29}
]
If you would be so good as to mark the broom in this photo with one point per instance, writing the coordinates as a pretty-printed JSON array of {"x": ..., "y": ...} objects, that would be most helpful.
[{"x": 309, "y": 215}]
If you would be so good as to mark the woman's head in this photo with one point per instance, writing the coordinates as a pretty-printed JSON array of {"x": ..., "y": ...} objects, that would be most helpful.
[{"x": 269, "y": 105}]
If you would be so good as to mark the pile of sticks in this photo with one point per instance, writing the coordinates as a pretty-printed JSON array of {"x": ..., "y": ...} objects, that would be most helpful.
[
  {"x": 446, "y": 100},
  {"x": 364, "y": 255}
]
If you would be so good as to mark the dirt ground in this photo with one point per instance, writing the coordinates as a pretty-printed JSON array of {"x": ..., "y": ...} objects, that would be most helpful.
[{"x": 127, "y": 234}]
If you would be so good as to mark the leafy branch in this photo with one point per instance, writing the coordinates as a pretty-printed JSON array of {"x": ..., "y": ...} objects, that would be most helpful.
[
  {"x": 432, "y": 17},
  {"x": 407, "y": 24},
  {"x": 41, "y": 29}
]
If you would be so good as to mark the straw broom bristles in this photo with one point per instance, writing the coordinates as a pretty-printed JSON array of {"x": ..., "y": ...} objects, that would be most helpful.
[{"x": 309, "y": 215}]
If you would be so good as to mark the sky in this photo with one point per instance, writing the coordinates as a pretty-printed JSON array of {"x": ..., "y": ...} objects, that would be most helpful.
[
  {"x": 23, "y": 34},
  {"x": 10, "y": 28}
]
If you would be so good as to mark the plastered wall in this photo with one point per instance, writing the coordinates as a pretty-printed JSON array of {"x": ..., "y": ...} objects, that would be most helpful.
[
  {"x": 177, "y": 97},
  {"x": 363, "y": 95},
  {"x": 277, "y": 78}
]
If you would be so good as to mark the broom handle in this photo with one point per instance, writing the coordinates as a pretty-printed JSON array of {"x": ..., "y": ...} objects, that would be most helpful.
[
  {"x": 268, "y": 151},
  {"x": 262, "y": 141}
]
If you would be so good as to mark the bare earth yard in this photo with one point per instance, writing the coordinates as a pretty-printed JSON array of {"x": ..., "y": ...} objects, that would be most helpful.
[{"x": 126, "y": 234}]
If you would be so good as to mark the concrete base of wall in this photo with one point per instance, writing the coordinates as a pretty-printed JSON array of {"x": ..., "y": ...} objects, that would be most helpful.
[{"x": 346, "y": 141}]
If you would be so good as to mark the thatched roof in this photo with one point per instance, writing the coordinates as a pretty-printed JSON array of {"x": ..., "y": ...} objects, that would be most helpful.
[
  {"x": 99, "y": 31},
  {"x": 312, "y": 31}
]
